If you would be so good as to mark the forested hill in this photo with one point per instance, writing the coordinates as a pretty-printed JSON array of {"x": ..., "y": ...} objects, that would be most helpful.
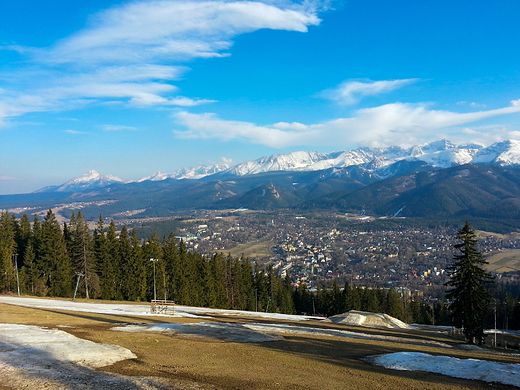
[{"x": 116, "y": 266}]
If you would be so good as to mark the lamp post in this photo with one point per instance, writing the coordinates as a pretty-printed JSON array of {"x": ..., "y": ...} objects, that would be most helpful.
[
  {"x": 15, "y": 256},
  {"x": 154, "y": 286}
]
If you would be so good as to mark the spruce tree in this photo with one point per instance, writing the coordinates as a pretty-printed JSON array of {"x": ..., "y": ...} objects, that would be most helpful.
[
  {"x": 55, "y": 259},
  {"x": 81, "y": 253},
  {"x": 7, "y": 250},
  {"x": 105, "y": 261},
  {"x": 124, "y": 252},
  {"x": 467, "y": 286}
]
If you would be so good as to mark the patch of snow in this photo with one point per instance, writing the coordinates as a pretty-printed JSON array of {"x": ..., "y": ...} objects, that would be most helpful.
[
  {"x": 362, "y": 318},
  {"x": 224, "y": 331},
  {"x": 32, "y": 357},
  {"x": 483, "y": 370},
  {"x": 143, "y": 309},
  {"x": 60, "y": 345}
]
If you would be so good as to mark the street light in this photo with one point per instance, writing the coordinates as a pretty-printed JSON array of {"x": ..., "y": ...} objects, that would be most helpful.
[
  {"x": 154, "y": 287},
  {"x": 15, "y": 256}
]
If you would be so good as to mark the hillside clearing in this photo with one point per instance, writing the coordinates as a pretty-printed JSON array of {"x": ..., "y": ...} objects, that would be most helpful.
[
  {"x": 301, "y": 354},
  {"x": 504, "y": 261}
]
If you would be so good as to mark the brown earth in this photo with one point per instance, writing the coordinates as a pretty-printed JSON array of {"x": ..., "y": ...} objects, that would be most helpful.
[{"x": 297, "y": 362}]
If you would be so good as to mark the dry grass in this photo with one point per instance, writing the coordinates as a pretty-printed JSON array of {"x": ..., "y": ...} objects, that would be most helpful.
[
  {"x": 504, "y": 261},
  {"x": 259, "y": 249},
  {"x": 297, "y": 362}
]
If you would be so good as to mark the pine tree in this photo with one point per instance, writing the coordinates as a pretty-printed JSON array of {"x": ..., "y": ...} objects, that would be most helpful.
[
  {"x": 105, "y": 260},
  {"x": 393, "y": 304},
  {"x": 55, "y": 259},
  {"x": 171, "y": 260},
  {"x": 124, "y": 252},
  {"x": 81, "y": 253},
  {"x": 29, "y": 274},
  {"x": 7, "y": 250},
  {"x": 152, "y": 250},
  {"x": 467, "y": 286}
]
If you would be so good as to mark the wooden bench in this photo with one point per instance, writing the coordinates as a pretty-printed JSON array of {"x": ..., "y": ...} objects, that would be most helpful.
[{"x": 162, "y": 306}]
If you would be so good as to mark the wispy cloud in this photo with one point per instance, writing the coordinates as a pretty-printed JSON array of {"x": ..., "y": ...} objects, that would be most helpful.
[
  {"x": 389, "y": 124},
  {"x": 133, "y": 52},
  {"x": 74, "y": 132},
  {"x": 351, "y": 91},
  {"x": 9, "y": 178},
  {"x": 118, "y": 128}
]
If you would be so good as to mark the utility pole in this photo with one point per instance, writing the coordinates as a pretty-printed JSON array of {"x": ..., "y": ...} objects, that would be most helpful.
[{"x": 15, "y": 256}]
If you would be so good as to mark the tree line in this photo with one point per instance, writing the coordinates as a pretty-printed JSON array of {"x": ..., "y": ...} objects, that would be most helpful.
[{"x": 46, "y": 258}]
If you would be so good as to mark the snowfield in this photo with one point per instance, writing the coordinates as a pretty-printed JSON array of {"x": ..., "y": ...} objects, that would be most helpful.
[
  {"x": 36, "y": 357},
  {"x": 508, "y": 374}
]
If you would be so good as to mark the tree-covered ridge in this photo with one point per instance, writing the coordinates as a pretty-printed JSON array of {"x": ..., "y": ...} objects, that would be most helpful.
[{"x": 116, "y": 265}]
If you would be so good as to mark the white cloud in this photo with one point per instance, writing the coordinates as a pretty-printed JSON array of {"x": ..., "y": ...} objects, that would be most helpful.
[
  {"x": 227, "y": 161},
  {"x": 389, "y": 124},
  {"x": 132, "y": 52},
  {"x": 147, "y": 31},
  {"x": 208, "y": 126},
  {"x": 118, "y": 128},
  {"x": 70, "y": 131},
  {"x": 351, "y": 91},
  {"x": 9, "y": 178}
]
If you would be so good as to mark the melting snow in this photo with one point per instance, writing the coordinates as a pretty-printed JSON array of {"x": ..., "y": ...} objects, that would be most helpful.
[
  {"x": 483, "y": 370},
  {"x": 41, "y": 357}
]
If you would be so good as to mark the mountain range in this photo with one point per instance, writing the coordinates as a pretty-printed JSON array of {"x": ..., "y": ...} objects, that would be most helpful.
[{"x": 436, "y": 179}]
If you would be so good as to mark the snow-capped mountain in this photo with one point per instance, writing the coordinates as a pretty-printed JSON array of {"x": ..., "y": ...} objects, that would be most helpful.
[
  {"x": 438, "y": 154},
  {"x": 91, "y": 179},
  {"x": 381, "y": 163},
  {"x": 188, "y": 173}
]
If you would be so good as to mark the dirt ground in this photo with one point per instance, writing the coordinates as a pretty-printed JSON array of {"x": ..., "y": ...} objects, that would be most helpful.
[{"x": 181, "y": 361}]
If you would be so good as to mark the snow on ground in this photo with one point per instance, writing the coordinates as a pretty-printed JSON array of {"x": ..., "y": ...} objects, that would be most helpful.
[
  {"x": 40, "y": 358},
  {"x": 144, "y": 309},
  {"x": 60, "y": 345},
  {"x": 373, "y": 320},
  {"x": 257, "y": 333},
  {"x": 508, "y": 374},
  {"x": 222, "y": 331},
  {"x": 49, "y": 359}
]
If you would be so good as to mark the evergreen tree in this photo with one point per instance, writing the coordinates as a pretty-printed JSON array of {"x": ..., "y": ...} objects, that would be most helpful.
[
  {"x": 302, "y": 299},
  {"x": 55, "y": 260},
  {"x": 152, "y": 250},
  {"x": 338, "y": 302},
  {"x": 124, "y": 254},
  {"x": 137, "y": 270},
  {"x": 393, "y": 304},
  {"x": 23, "y": 238},
  {"x": 215, "y": 283},
  {"x": 105, "y": 260},
  {"x": 370, "y": 301},
  {"x": 171, "y": 260},
  {"x": 467, "y": 286},
  {"x": 80, "y": 246},
  {"x": 113, "y": 268},
  {"x": 7, "y": 250},
  {"x": 29, "y": 274}
]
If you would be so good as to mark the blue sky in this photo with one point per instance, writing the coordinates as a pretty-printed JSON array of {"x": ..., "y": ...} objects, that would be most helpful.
[{"x": 129, "y": 88}]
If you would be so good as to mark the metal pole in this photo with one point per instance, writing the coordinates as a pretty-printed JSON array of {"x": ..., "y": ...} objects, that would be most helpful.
[
  {"x": 77, "y": 284},
  {"x": 495, "y": 322},
  {"x": 164, "y": 282},
  {"x": 16, "y": 267}
]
